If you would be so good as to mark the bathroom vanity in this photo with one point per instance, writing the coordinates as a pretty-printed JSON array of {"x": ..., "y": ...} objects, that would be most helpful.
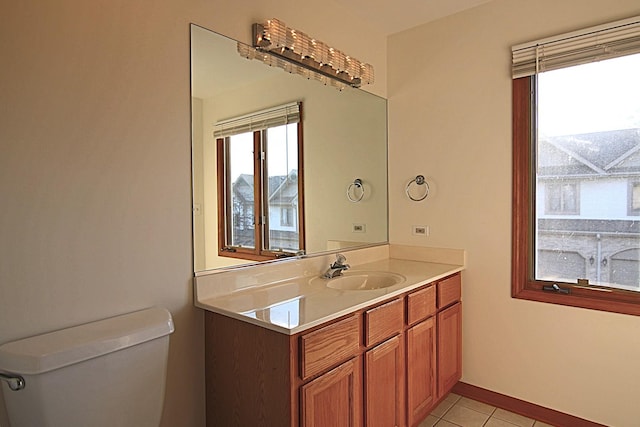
[{"x": 337, "y": 357}]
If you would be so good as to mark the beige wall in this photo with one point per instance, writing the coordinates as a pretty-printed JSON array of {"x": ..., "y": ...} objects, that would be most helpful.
[
  {"x": 449, "y": 92},
  {"x": 95, "y": 162}
]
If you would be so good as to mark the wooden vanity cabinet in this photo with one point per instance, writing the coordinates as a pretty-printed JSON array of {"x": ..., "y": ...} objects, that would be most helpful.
[
  {"x": 449, "y": 348},
  {"x": 384, "y": 384},
  {"x": 329, "y": 346},
  {"x": 385, "y": 365},
  {"x": 421, "y": 370},
  {"x": 334, "y": 398},
  {"x": 249, "y": 374},
  {"x": 421, "y": 353},
  {"x": 449, "y": 324}
]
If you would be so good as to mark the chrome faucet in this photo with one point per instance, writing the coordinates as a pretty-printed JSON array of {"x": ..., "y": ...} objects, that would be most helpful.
[{"x": 336, "y": 268}]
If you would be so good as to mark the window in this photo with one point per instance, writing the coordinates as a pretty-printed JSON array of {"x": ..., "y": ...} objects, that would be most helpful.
[
  {"x": 633, "y": 198},
  {"x": 286, "y": 217},
  {"x": 561, "y": 198},
  {"x": 260, "y": 192},
  {"x": 576, "y": 169}
]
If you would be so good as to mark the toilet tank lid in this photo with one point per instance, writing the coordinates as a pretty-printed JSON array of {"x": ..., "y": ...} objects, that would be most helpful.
[{"x": 54, "y": 350}]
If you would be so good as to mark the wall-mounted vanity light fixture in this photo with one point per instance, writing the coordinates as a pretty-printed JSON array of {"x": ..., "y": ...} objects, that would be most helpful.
[
  {"x": 418, "y": 181},
  {"x": 355, "y": 191},
  {"x": 294, "y": 51}
]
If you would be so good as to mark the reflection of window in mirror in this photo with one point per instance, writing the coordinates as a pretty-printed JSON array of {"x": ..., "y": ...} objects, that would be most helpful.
[{"x": 260, "y": 188}]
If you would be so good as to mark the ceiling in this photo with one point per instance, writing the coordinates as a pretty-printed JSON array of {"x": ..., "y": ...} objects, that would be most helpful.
[{"x": 393, "y": 16}]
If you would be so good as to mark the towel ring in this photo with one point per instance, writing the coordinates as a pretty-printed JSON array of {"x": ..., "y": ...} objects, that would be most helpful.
[
  {"x": 419, "y": 181},
  {"x": 353, "y": 186}
]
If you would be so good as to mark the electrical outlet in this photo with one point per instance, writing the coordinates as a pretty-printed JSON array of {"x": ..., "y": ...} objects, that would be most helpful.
[
  {"x": 359, "y": 228},
  {"x": 420, "y": 230}
]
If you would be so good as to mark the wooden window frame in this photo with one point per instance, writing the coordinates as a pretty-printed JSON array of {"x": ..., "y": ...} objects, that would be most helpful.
[
  {"x": 523, "y": 285},
  {"x": 260, "y": 235}
]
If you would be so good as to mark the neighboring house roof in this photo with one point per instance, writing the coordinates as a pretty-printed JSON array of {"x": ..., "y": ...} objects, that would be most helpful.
[
  {"x": 597, "y": 153},
  {"x": 287, "y": 191},
  {"x": 275, "y": 182},
  {"x": 243, "y": 187},
  {"x": 283, "y": 188}
]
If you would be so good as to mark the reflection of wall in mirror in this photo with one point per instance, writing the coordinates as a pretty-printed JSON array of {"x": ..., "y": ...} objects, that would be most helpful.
[
  {"x": 205, "y": 218},
  {"x": 197, "y": 171},
  {"x": 349, "y": 142},
  {"x": 339, "y": 141}
]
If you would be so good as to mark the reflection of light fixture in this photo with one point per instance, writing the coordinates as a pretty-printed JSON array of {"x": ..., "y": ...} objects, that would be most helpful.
[
  {"x": 296, "y": 52},
  {"x": 604, "y": 262},
  {"x": 592, "y": 260}
]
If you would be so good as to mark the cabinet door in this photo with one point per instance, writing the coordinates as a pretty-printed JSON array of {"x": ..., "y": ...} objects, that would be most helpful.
[
  {"x": 449, "y": 348},
  {"x": 335, "y": 398},
  {"x": 384, "y": 384},
  {"x": 421, "y": 370}
]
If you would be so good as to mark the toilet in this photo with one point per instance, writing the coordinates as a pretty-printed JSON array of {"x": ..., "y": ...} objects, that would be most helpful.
[{"x": 106, "y": 373}]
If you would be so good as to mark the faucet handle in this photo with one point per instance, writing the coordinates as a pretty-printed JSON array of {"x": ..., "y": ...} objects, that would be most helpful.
[{"x": 340, "y": 259}]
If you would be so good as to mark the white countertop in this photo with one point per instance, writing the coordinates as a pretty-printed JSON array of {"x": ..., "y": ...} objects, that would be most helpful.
[{"x": 294, "y": 305}]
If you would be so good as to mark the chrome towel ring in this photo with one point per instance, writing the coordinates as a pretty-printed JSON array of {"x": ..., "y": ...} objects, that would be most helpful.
[
  {"x": 353, "y": 187},
  {"x": 419, "y": 181}
]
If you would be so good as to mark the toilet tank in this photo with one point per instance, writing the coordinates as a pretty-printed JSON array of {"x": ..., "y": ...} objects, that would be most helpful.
[{"x": 106, "y": 373}]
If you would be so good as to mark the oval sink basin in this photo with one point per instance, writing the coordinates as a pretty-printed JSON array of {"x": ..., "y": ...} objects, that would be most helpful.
[{"x": 365, "y": 280}]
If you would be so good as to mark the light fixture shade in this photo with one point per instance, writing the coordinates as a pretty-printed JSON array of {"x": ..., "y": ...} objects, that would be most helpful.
[
  {"x": 337, "y": 59},
  {"x": 276, "y": 33},
  {"x": 366, "y": 73},
  {"x": 320, "y": 52},
  {"x": 297, "y": 52}
]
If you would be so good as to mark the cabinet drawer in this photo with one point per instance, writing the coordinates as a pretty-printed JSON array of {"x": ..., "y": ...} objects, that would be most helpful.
[
  {"x": 421, "y": 304},
  {"x": 383, "y": 321},
  {"x": 329, "y": 346},
  {"x": 449, "y": 291}
]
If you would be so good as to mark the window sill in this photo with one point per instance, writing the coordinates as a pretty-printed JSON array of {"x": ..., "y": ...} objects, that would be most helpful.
[{"x": 581, "y": 297}]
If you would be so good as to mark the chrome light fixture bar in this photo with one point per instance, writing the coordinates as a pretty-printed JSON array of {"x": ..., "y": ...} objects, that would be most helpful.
[{"x": 296, "y": 52}]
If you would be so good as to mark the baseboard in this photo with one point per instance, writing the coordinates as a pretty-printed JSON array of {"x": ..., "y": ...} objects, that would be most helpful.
[{"x": 530, "y": 410}]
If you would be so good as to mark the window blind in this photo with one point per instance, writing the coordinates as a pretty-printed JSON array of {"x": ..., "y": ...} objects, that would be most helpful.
[
  {"x": 606, "y": 41},
  {"x": 259, "y": 120}
]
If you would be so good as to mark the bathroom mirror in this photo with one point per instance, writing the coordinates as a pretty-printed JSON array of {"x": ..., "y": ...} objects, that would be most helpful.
[{"x": 344, "y": 140}]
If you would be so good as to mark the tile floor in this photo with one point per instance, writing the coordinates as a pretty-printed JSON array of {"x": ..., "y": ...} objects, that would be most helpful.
[{"x": 457, "y": 411}]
